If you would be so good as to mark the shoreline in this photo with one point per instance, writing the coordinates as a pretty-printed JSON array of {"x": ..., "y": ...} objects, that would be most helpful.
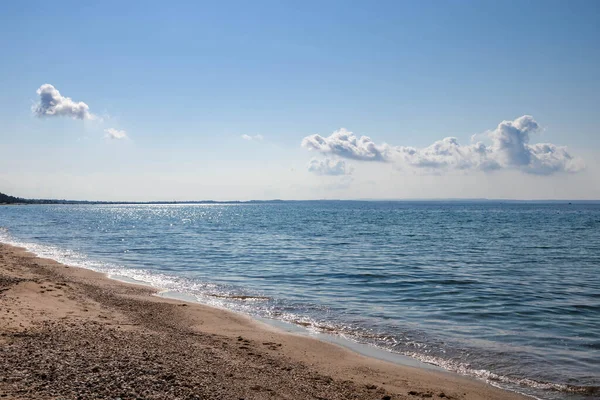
[
  {"x": 69, "y": 332},
  {"x": 293, "y": 329}
]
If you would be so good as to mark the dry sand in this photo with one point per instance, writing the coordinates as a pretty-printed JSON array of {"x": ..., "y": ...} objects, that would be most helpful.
[{"x": 71, "y": 333}]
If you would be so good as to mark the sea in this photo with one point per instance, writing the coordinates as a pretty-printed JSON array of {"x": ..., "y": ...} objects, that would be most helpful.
[{"x": 505, "y": 292}]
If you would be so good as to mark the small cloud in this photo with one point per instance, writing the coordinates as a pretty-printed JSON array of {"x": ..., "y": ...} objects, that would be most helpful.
[
  {"x": 257, "y": 138},
  {"x": 329, "y": 167},
  {"x": 344, "y": 144},
  {"x": 115, "y": 134},
  {"x": 53, "y": 104}
]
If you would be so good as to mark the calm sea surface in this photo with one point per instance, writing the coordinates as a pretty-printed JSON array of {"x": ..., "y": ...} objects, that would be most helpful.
[{"x": 507, "y": 292}]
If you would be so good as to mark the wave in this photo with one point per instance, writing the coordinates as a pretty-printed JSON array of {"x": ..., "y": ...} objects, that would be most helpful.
[
  {"x": 506, "y": 382},
  {"x": 239, "y": 297}
]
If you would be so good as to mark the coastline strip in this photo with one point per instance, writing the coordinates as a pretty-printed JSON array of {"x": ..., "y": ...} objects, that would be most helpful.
[{"x": 68, "y": 332}]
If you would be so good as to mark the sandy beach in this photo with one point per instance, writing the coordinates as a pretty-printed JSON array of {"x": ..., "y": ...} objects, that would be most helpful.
[{"x": 72, "y": 333}]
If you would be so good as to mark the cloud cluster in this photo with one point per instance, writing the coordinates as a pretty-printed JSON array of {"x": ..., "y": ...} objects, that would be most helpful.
[
  {"x": 112, "y": 133},
  {"x": 53, "y": 104},
  {"x": 255, "y": 137},
  {"x": 329, "y": 167},
  {"x": 508, "y": 148}
]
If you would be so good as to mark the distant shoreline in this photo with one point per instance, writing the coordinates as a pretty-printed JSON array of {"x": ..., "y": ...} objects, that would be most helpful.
[{"x": 276, "y": 201}]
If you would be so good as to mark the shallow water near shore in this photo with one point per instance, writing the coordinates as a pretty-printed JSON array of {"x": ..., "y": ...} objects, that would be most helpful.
[{"x": 505, "y": 292}]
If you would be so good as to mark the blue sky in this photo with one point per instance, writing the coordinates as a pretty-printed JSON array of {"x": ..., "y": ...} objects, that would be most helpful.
[{"x": 186, "y": 81}]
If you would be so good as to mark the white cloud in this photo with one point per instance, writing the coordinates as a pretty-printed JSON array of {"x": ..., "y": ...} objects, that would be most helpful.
[
  {"x": 344, "y": 144},
  {"x": 255, "y": 137},
  {"x": 509, "y": 148},
  {"x": 112, "y": 133},
  {"x": 445, "y": 154},
  {"x": 53, "y": 104},
  {"x": 329, "y": 167}
]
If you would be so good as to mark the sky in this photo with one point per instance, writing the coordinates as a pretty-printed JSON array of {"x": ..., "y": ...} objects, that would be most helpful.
[{"x": 238, "y": 100}]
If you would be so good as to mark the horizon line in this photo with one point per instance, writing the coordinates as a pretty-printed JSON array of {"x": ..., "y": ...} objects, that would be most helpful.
[{"x": 374, "y": 200}]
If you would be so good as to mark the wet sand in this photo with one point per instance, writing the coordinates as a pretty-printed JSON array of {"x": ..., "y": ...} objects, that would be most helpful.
[{"x": 71, "y": 333}]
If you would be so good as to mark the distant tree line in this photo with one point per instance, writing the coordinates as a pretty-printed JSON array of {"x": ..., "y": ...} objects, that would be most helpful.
[{"x": 6, "y": 199}]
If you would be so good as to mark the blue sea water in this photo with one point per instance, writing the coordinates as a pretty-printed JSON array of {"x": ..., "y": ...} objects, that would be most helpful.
[{"x": 505, "y": 292}]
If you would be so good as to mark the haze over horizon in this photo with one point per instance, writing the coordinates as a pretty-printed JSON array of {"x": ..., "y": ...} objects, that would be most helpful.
[{"x": 240, "y": 101}]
